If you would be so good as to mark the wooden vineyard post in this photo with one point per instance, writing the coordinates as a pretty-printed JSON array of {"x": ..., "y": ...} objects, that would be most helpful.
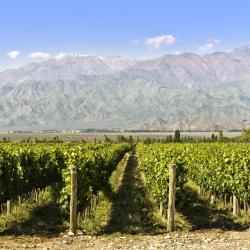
[
  {"x": 248, "y": 209},
  {"x": 245, "y": 207},
  {"x": 73, "y": 200},
  {"x": 161, "y": 208},
  {"x": 236, "y": 211},
  {"x": 225, "y": 200},
  {"x": 171, "y": 197},
  {"x": 212, "y": 198},
  {"x": 231, "y": 201},
  {"x": 8, "y": 207}
]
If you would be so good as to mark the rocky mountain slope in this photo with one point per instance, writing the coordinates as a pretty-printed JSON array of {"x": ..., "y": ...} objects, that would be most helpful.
[{"x": 186, "y": 91}]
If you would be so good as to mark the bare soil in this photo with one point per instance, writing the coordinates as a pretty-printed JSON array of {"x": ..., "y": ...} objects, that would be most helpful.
[{"x": 212, "y": 239}]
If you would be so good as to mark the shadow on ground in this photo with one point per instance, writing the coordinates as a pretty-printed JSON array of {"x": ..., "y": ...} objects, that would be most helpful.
[
  {"x": 132, "y": 211},
  {"x": 201, "y": 215},
  {"x": 44, "y": 220}
]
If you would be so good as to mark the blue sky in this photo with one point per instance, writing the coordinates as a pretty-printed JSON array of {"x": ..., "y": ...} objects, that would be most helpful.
[{"x": 34, "y": 30}]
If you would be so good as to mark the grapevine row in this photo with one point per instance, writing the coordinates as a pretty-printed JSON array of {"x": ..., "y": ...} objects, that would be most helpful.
[
  {"x": 24, "y": 168},
  {"x": 219, "y": 168}
]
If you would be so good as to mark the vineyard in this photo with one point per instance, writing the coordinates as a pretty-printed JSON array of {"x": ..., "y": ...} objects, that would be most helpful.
[
  {"x": 221, "y": 172},
  {"x": 25, "y": 168}
]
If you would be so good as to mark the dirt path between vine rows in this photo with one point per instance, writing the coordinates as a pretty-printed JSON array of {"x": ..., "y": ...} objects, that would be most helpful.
[
  {"x": 132, "y": 210},
  {"x": 132, "y": 225}
]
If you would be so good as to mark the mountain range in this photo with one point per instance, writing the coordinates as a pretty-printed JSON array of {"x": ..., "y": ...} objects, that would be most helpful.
[{"x": 186, "y": 91}]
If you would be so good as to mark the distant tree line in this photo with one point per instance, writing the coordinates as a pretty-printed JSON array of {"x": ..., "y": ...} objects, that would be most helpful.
[{"x": 176, "y": 138}]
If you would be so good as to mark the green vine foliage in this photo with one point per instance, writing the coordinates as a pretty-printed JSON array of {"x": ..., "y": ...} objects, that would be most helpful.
[
  {"x": 154, "y": 162},
  {"x": 94, "y": 167},
  {"x": 221, "y": 168},
  {"x": 26, "y": 167}
]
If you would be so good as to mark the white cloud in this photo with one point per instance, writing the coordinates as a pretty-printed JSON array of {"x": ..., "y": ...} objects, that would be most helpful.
[
  {"x": 158, "y": 41},
  {"x": 39, "y": 55},
  {"x": 13, "y": 54},
  {"x": 136, "y": 42},
  {"x": 60, "y": 56},
  {"x": 209, "y": 46}
]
